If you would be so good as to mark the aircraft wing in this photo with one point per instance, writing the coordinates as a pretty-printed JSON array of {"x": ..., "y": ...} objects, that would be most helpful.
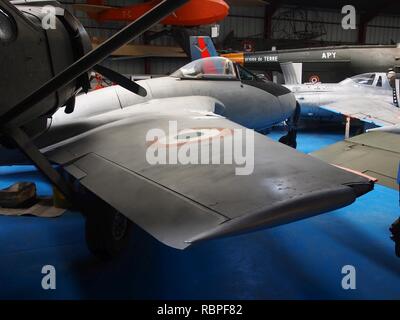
[
  {"x": 374, "y": 111},
  {"x": 181, "y": 204},
  {"x": 375, "y": 153}
]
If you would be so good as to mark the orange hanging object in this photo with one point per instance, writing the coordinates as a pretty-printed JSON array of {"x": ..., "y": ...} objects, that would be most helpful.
[{"x": 194, "y": 13}]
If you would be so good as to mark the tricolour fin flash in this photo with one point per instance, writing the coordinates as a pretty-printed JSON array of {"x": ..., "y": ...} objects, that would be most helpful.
[{"x": 202, "y": 47}]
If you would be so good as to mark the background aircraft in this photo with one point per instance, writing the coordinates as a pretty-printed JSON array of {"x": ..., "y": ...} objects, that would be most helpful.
[
  {"x": 104, "y": 156},
  {"x": 329, "y": 64},
  {"x": 367, "y": 97},
  {"x": 194, "y": 13},
  {"x": 375, "y": 153}
]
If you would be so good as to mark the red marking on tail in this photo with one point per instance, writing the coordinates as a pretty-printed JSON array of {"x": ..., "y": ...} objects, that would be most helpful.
[
  {"x": 208, "y": 66},
  {"x": 203, "y": 48}
]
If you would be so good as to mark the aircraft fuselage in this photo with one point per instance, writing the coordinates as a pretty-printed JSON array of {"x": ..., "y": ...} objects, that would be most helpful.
[
  {"x": 311, "y": 97},
  {"x": 255, "y": 105},
  {"x": 329, "y": 64}
]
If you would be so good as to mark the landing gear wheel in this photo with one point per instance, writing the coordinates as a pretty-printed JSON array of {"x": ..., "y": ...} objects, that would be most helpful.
[
  {"x": 395, "y": 230},
  {"x": 107, "y": 232},
  {"x": 290, "y": 139}
]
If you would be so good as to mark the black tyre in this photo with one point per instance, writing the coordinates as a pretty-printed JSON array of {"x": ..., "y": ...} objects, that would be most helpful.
[
  {"x": 395, "y": 230},
  {"x": 290, "y": 139},
  {"x": 107, "y": 231}
]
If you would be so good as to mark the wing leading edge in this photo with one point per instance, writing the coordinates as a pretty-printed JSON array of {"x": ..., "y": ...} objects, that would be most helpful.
[{"x": 375, "y": 153}]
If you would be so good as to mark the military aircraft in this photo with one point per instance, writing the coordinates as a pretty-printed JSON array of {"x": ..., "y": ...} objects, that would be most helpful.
[
  {"x": 327, "y": 64},
  {"x": 367, "y": 97},
  {"x": 227, "y": 85},
  {"x": 375, "y": 153},
  {"x": 370, "y": 97},
  {"x": 100, "y": 142}
]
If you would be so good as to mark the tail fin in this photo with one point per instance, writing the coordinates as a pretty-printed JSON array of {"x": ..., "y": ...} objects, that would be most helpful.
[
  {"x": 202, "y": 47},
  {"x": 292, "y": 72}
]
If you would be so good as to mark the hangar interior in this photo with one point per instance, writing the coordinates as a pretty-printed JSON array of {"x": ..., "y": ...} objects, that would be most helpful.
[
  {"x": 305, "y": 259},
  {"x": 282, "y": 24}
]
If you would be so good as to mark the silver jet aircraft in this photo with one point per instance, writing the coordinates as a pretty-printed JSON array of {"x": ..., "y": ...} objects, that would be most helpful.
[
  {"x": 104, "y": 143},
  {"x": 266, "y": 104},
  {"x": 375, "y": 153},
  {"x": 367, "y": 97}
]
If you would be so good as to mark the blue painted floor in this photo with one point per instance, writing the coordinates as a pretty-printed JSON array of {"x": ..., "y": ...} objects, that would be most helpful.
[{"x": 302, "y": 260}]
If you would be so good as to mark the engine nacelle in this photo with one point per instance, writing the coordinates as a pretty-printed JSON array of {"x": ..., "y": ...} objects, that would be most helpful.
[{"x": 38, "y": 39}]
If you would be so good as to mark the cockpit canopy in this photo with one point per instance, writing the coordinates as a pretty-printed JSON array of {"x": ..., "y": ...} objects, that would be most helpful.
[
  {"x": 208, "y": 68},
  {"x": 378, "y": 80}
]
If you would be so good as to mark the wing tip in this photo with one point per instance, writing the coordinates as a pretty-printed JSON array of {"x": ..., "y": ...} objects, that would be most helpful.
[{"x": 286, "y": 212}]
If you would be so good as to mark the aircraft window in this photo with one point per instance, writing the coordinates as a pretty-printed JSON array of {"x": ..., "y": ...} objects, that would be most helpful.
[
  {"x": 366, "y": 79},
  {"x": 208, "y": 68},
  {"x": 245, "y": 74},
  {"x": 8, "y": 30},
  {"x": 379, "y": 83}
]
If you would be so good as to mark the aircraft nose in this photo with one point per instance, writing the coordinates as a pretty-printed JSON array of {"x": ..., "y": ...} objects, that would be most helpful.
[
  {"x": 281, "y": 102},
  {"x": 288, "y": 104},
  {"x": 286, "y": 98}
]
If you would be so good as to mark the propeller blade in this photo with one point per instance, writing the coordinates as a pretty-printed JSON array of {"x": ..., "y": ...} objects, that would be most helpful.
[{"x": 121, "y": 80}]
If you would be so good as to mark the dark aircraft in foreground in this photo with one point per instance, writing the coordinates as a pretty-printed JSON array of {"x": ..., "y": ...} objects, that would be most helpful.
[
  {"x": 109, "y": 144},
  {"x": 328, "y": 64}
]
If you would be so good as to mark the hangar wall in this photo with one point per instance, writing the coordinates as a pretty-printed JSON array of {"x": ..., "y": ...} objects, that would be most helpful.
[
  {"x": 288, "y": 22},
  {"x": 382, "y": 29},
  {"x": 245, "y": 22}
]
